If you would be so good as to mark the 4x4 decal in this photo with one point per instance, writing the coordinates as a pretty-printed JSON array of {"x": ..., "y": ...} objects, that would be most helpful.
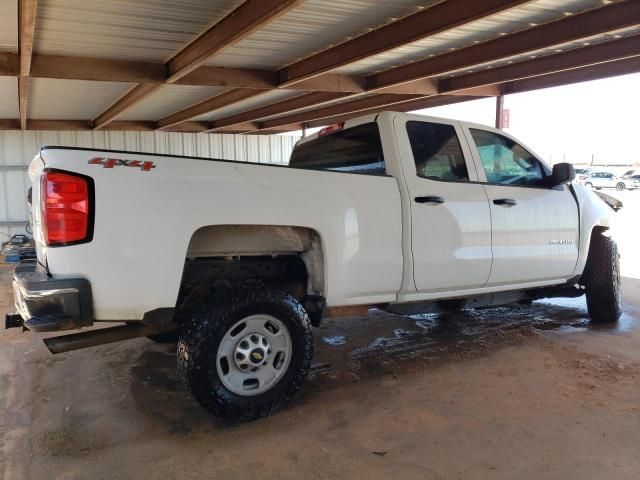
[{"x": 119, "y": 162}]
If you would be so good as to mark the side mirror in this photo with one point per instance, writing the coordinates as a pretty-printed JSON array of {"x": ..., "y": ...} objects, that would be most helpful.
[{"x": 562, "y": 173}]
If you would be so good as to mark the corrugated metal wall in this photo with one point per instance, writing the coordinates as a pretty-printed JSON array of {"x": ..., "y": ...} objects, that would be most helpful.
[{"x": 18, "y": 148}]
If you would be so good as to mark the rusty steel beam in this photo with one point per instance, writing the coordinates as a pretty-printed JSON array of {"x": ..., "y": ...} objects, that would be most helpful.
[
  {"x": 113, "y": 70},
  {"x": 187, "y": 127},
  {"x": 244, "y": 20},
  {"x": 26, "y": 30},
  {"x": 372, "y": 101},
  {"x": 129, "y": 99},
  {"x": 61, "y": 125},
  {"x": 571, "y": 59},
  {"x": 284, "y": 106},
  {"x": 419, "y": 104},
  {"x": 23, "y": 99},
  {"x": 99, "y": 69},
  {"x": 572, "y": 28},
  {"x": 9, "y": 64},
  {"x": 436, "y": 19},
  {"x": 567, "y": 77},
  {"x": 221, "y": 100},
  {"x": 9, "y": 124}
]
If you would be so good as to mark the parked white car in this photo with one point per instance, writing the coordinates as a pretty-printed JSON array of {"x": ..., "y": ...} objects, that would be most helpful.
[
  {"x": 400, "y": 212},
  {"x": 631, "y": 182},
  {"x": 600, "y": 180}
]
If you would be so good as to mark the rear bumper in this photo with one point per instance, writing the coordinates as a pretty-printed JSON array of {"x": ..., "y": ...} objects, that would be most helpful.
[{"x": 49, "y": 305}]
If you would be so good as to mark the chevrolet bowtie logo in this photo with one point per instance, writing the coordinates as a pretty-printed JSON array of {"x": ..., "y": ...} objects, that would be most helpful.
[{"x": 256, "y": 356}]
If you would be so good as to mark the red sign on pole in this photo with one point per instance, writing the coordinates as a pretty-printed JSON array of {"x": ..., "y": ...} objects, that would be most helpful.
[{"x": 505, "y": 118}]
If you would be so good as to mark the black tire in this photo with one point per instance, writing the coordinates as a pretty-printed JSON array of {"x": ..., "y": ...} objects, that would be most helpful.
[
  {"x": 588, "y": 185},
  {"x": 165, "y": 337},
  {"x": 201, "y": 337},
  {"x": 620, "y": 186},
  {"x": 601, "y": 280}
]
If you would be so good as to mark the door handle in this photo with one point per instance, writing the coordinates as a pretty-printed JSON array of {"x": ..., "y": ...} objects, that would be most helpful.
[
  {"x": 505, "y": 201},
  {"x": 430, "y": 199}
]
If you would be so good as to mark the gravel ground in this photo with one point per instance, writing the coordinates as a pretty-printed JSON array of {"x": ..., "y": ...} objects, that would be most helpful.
[{"x": 524, "y": 392}]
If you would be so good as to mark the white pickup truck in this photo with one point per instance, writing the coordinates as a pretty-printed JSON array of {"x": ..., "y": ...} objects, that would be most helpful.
[{"x": 399, "y": 212}]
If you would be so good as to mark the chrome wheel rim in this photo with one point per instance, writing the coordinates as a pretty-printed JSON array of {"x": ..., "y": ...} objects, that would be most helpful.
[{"x": 254, "y": 355}]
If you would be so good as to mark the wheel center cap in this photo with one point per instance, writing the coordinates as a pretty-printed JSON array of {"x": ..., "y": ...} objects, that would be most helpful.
[
  {"x": 251, "y": 352},
  {"x": 257, "y": 356}
]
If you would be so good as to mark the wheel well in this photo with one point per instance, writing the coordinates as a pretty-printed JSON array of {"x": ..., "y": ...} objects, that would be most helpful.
[
  {"x": 596, "y": 230},
  {"x": 285, "y": 257}
]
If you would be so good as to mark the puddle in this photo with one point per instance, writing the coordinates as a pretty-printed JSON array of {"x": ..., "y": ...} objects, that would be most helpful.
[
  {"x": 335, "y": 341},
  {"x": 385, "y": 340}
]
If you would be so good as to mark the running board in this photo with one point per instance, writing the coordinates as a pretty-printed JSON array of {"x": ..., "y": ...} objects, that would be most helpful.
[{"x": 102, "y": 336}]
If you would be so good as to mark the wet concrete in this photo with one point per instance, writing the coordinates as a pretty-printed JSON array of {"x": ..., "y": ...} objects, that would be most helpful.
[{"x": 520, "y": 392}]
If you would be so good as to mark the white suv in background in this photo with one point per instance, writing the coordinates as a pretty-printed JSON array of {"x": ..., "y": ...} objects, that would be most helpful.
[{"x": 600, "y": 180}]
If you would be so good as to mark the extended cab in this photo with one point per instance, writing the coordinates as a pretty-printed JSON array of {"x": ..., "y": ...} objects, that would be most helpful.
[{"x": 400, "y": 212}]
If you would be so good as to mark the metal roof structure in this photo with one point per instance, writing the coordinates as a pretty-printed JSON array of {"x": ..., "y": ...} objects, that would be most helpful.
[{"x": 267, "y": 66}]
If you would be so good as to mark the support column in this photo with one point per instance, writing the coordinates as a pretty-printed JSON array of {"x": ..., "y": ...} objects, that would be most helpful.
[{"x": 499, "y": 111}]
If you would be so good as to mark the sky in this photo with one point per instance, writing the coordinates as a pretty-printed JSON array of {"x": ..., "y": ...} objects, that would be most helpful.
[{"x": 570, "y": 123}]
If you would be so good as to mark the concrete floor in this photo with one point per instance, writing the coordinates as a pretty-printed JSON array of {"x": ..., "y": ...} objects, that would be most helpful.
[{"x": 524, "y": 392}]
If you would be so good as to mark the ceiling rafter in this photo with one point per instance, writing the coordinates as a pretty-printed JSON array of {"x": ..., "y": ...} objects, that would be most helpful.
[
  {"x": 594, "y": 72},
  {"x": 582, "y": 57},
  {"x": 430, "y": 21},
  {"x": 378, "y": 100},
  {"x": 409, "y": 106},
  {"x": 214, "y": 103},
  {"x": 415, "y": 83},
  {"x": 599, "y": 20},
  {"x": 433, "y": 20},
  {"x": 577, "y": 26},
  {"x": 245, "y": 19},
  {"x": 26, "y": 29},
  {"x": 133, "y": 96},
  {"x": 480, "y": 84},
  {"x": 127, "y": 71},
  {"x": 283, "y": 106}
]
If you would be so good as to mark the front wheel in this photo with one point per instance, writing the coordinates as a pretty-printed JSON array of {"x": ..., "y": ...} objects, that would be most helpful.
[
  {"x": 245, "y": 357},
  {"x": 588, "y": 185},
  {"x": 601, "y": 279},
  {"x": 620, "y": 186}
]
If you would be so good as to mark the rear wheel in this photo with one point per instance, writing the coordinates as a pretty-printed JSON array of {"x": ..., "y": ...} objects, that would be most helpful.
[
  {"x": 588, "y": 185},
  {"x": 245, "y": 357},
  {"x": 601, "y": 279}
]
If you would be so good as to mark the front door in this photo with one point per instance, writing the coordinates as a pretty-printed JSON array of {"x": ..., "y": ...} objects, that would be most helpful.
[
  {"x": 534, "y": 228},
  {"x": 450, "y": 219}
]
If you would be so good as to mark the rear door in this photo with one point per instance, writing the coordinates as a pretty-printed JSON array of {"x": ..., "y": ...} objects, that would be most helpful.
[
  {"x": 534, "y": 228},
  {"x": 450, "y": 219},
  {"x": 610, "y": 180}
]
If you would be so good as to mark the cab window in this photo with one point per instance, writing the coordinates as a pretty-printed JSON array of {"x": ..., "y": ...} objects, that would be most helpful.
[
  {"x": 506, "y": 162},
  {"x": 354, "y": 150},
  {"x": 437, "y": 152}
]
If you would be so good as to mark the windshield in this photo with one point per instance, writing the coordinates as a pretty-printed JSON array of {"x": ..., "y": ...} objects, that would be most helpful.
[{"x": 354, "y": 150}]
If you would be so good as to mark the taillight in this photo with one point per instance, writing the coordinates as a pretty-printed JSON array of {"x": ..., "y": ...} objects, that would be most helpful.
[{"x": 66, "y": 208}]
